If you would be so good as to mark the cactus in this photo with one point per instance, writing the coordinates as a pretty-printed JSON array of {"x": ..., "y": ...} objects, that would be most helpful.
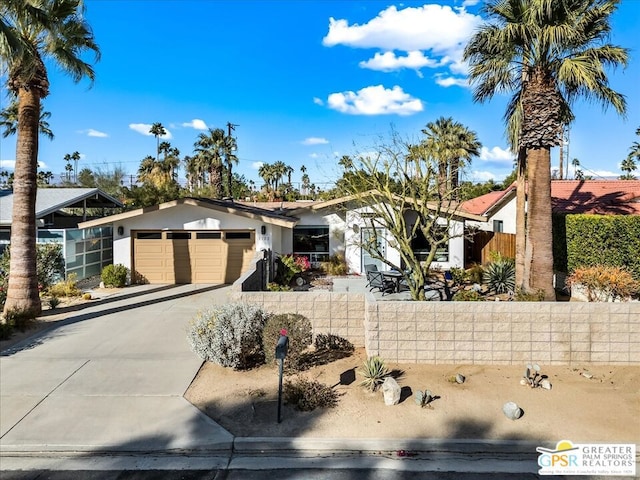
[
  {"x": 424, "y": 398},
  {"x": 533, "y": 377}
]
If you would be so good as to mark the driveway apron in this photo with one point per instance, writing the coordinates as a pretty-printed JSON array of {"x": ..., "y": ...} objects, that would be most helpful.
[{"x": 110, "y": 377}]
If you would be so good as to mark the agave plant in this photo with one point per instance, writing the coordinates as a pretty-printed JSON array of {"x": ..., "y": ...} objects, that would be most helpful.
[
  {"x": 374, "y": 372},
  {"x": 500, "y": 275}
]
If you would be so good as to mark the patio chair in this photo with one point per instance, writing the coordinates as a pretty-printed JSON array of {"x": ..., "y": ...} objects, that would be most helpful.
[
  {"x": 378, "y": 282},
  {"x": 369, "y": 267}
]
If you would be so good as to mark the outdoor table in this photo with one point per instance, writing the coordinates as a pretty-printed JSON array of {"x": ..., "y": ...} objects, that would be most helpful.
[{"x": 395, "y": 277}]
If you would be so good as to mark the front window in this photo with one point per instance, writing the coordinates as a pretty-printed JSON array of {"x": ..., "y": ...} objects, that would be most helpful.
[
  {"x": 311, "y": 242},
  {"x": 421, "y": 248}
]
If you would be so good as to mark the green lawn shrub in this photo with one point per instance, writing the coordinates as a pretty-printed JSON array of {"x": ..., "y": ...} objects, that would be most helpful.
[
  {"x": 590, "y": 240},
  {"x": 114, "y": 276}
]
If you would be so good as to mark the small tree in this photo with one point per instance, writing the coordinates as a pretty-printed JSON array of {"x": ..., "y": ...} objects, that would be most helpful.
[{"x": 397, "y": 189}]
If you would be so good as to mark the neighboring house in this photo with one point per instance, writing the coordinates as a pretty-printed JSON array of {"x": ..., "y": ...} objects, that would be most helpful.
[
  {"x": 193, "y": 240},
  {"x": 601, "y": 197},
  {"x": 58, "y": 213}
]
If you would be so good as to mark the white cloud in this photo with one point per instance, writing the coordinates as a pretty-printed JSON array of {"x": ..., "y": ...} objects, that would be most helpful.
[
  {"x": 196, "y": 124},
  {"x": 8, "y": 164},
  {"x": 483, "y": 176},
  {"x": 375, "y": 100},
  {"x": 314, "y": 155},
  {"x": 470, "y": 3},
  {"x": 143, "y": 129},
  {"x": 440, "y": 30},
  {"x": 90, "y": 132},
  {"x": 257, "y": 165},
  {"x": 42, "y": 164},
  {"x": 389, "y": 61},
  {"x": 315, "y": 141},
  {"x": 444, "y": 81},
  {"x": 318, "y": 101},
  {"x": 497, "y": 154}
]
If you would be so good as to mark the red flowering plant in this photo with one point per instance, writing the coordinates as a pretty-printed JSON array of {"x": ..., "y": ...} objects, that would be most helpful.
[{"x": 291, "y": 265}]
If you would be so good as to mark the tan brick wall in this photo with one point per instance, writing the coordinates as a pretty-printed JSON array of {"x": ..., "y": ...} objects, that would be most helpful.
[
  {"x": 498, "y": 333},
  {"x": 337, "y": 313}
]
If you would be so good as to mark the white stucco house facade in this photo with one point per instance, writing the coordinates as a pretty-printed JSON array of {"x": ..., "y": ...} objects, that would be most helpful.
[{"x": 193, "y": 240}]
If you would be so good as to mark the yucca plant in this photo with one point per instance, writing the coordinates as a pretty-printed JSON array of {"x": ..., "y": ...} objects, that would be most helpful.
[
  {"x": 374, "y": 372},
  {"x": 500, "y": 275}
]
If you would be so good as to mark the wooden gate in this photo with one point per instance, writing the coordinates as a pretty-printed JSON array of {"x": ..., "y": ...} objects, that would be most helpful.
[{"x": 478, "y": 249}]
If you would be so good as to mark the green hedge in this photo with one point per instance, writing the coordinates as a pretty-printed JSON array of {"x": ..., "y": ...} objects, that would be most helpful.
[{"x": 588, "y": 240}]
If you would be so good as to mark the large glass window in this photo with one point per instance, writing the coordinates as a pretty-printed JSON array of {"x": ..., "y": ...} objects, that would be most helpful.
[
  {"x": 312, "y": 242},
  {"x": 421, "y": 247}
]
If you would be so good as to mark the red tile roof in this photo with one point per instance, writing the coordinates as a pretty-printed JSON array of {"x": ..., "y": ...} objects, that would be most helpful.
[
  {"x": 603, "y": 197},
  {"x": 482, "y": 204}
]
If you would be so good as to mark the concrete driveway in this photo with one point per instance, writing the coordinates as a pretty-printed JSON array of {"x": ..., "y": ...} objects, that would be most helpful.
[{"x": 110, "y": 377}]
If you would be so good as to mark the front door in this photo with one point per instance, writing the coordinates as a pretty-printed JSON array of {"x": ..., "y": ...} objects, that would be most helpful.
[{"x": 369, "y": 235}]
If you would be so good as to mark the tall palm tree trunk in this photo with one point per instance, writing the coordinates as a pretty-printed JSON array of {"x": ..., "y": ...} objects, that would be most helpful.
[
  {"x": 538, "y": 264},
  {"x": 521, "y": 216},
  {"x": 22, "y": 293}
]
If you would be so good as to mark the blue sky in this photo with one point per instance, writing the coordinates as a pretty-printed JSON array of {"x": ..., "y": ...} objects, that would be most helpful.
[{"x": 305, "y": 81}]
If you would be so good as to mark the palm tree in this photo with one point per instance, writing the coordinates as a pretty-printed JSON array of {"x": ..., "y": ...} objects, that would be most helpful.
[
  {"x": 55, "y": 30},
  {"x": 628, "y": 165},
  {"x": 157, "y": 130},
  {"x": 549, "y": 53},
  {"x": 209, "y": 148},
  {"x": 9, "y": 121},
  {"x": 451, "y": 144}
]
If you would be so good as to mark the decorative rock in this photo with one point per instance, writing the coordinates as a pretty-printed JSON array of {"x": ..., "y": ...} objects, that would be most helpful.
[
  {"x": 546, "y": 384},
  {"x": 391, "y": 391},
  {"x": 460, "y": 378},
  {"x": 101, "y": 285},
  {"x": 587, "y": 375},
  {"x": 512, "y": 411},
  {"x": 523, "y": 382}
]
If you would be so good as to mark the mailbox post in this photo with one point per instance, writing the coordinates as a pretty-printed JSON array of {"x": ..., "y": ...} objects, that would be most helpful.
[{"x": 281, "y": 352}]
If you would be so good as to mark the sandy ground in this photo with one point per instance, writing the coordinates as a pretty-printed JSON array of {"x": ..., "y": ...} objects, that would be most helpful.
[{"x": 604, "y": 408}]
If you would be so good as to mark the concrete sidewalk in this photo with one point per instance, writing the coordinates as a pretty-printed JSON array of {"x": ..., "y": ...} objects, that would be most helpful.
[{"x": 110, "y": 378}]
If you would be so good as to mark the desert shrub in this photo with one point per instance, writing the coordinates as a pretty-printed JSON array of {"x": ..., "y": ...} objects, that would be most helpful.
[
  {"x": 500, "y": 275},
  {"x": 458, "y": 275},
  {"x": 522, "y": 296},
  {"x": 114, "y": 275},
  {"x": 306, "y": 395},
  {"x": 65, "y": 288},
  {"x": 298, "y": 329},
  {"x": 229, "y": 335},
  {"x": 329, "y": 341},
  {"x": 467, "y": 296},
  {"x": 276, "y": 287},
  {"x": 374, "y": 372},
  {"x": 474, "y": 274},
  {"x": 288, "y": 266},
  {"x": 602, "y": 283},
  {"x": 337, "y": 265},
  {"x": 6, "y": 330}
]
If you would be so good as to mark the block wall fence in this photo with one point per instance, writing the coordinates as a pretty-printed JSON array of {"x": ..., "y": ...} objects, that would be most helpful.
[{"x": 488, "y": 333}]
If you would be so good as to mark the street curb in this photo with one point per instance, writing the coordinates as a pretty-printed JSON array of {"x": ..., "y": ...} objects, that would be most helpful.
[{"x": 248, "y": 445}]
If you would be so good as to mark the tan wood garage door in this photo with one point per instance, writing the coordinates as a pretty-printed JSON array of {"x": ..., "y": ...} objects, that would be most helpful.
[{"x": 192, "y": 256}]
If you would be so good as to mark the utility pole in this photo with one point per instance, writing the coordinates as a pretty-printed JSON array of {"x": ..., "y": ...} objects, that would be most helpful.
[{"x": 231, "y": 127}]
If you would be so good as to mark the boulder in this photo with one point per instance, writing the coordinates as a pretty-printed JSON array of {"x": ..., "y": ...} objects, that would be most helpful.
[
  {"x": 512, "y": 411},
  {"x": 391, "y": 391}
]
